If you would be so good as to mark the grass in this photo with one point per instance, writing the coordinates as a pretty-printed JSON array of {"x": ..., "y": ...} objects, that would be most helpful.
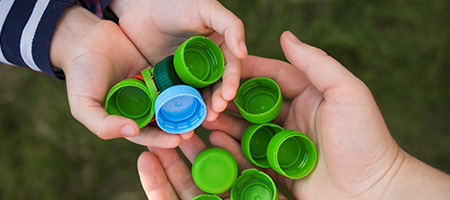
[{"x": 400, "y": 49}]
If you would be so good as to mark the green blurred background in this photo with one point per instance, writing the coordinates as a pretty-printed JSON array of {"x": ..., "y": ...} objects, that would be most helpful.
[{"x": 400, "y": 49}]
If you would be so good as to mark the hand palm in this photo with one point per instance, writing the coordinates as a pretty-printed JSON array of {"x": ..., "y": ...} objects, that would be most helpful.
[
  {"x": 338, "y": 112},
  {"x": 100, "y": 63}
]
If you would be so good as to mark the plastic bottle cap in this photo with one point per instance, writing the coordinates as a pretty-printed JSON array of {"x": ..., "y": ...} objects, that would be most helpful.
[
  {"x": 179, "y": 109},
  {"x": 214, "y": 170},
  {"x": 165, "y": 75},
  {"x": 199, "y": 62},
  {"x": 291, "y": 154},
  {"x": 207, "y": 197},
  {"x": 259, "y": 100},
  {"x": 254, "y": 185},
  {"x": 255, "y": 141},
  {"x": 130, "y": 98}
]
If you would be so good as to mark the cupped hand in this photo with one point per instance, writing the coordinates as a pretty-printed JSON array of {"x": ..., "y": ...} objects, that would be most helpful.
[
  {"x": 94, "y": 55},
  {"x": 157, "y": 28},
  {"x": 357, "y": 157}
]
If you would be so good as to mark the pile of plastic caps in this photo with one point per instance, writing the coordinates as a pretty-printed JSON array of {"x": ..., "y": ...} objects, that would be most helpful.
[{"x": 167, "y": 93}]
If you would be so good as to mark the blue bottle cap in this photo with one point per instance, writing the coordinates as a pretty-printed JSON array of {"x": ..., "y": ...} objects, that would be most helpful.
[{"x": 179, "y": 109}]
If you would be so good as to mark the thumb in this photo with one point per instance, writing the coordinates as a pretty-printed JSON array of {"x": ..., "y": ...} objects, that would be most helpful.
[
  {"x": 96, "y": 119},
  {"x": 324, "y": 72},
  {"x": 86, "y": 93}
]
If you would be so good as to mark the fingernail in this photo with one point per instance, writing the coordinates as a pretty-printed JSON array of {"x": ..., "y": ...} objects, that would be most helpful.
[
  {"x": 243, "y": 47},
  {"x": 128, "y": 131},
  {"x": 293, "y": 38}
]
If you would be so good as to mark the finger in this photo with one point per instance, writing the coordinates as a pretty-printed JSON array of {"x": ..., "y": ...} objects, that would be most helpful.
[
  {"x": 153, "y": 178},
  {"x": 228, "y": 124},
  {"x": 192, "y": 147},
  {"x": 223, "y": 21},
  {"x": 187, "y": 136},
  {"x": 177, "y": 172},
  {"x": 225, "y": 90},
  {"x": 291, "y": 81},
  {"x": 324, "y": 72},
  {"x": 155, "y": 137},
  {"x": 207, "y": 98},
  {"x": 218, "y": 103},
  {"x": 231, "y": 76}
]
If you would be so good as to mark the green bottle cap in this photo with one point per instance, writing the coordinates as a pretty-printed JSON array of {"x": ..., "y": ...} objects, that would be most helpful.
[
  {"x": 214, "y": 170},
  {"x": 199, "y": 62},
  {"x": 291, "y": 154},
  {"x": 165, "y": 75},
  {"x": 207, "y": 197},
  {"x": 131, "y": 98},
  {"x": 254, "y": 185},
  {"x": 259, "y": 100},
  {"x": 255, "y": 141},
  {"x": 150, "y": 83}
]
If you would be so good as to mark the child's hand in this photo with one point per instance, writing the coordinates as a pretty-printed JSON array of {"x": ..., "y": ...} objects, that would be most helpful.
[
  {"x": 95, "y": 54},
  {"x": 357, "y": 156},
  {"x": 158, "y": 27}
]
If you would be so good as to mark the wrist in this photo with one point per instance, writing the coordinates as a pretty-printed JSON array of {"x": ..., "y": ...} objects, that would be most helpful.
[
  {"x": 71, "y": 32},
  {"x": 416, "y": 180}
]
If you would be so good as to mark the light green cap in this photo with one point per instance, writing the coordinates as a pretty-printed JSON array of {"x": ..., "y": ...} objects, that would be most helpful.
[
  {"x": 259, "y": 100},
  {"x": 255, "y": 141},
  {"x": 292, "y": 154},
  {"x": 131, "y": 98},
  {"x": 207, "y": 197},
  {"x": 254, "y": 185},
  {"x": 199, "y": 62},
  {"x": 214, "y": 170}
]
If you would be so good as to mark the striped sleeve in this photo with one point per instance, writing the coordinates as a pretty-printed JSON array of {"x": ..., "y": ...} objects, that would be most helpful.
[{"x": 26, "y": 29}]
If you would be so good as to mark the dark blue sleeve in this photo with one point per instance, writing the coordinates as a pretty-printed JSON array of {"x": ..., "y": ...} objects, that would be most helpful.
[{"x": 26, "y": 29}]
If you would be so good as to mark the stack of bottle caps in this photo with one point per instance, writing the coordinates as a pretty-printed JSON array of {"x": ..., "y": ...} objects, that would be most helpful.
[{"x": 167, "y": 93}]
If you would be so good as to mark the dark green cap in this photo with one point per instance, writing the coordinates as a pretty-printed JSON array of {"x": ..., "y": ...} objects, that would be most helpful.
[{"x": 165, "y": 75}]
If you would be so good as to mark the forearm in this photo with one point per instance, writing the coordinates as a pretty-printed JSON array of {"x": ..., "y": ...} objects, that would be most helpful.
[{"x": 26, "y": 30}]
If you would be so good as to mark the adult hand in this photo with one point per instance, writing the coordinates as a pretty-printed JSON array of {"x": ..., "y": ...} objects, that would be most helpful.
[
  {"x": 95, "y": 54},
  {"x": 357, "y": 157},
  {"x": 157, "y": 28}
]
